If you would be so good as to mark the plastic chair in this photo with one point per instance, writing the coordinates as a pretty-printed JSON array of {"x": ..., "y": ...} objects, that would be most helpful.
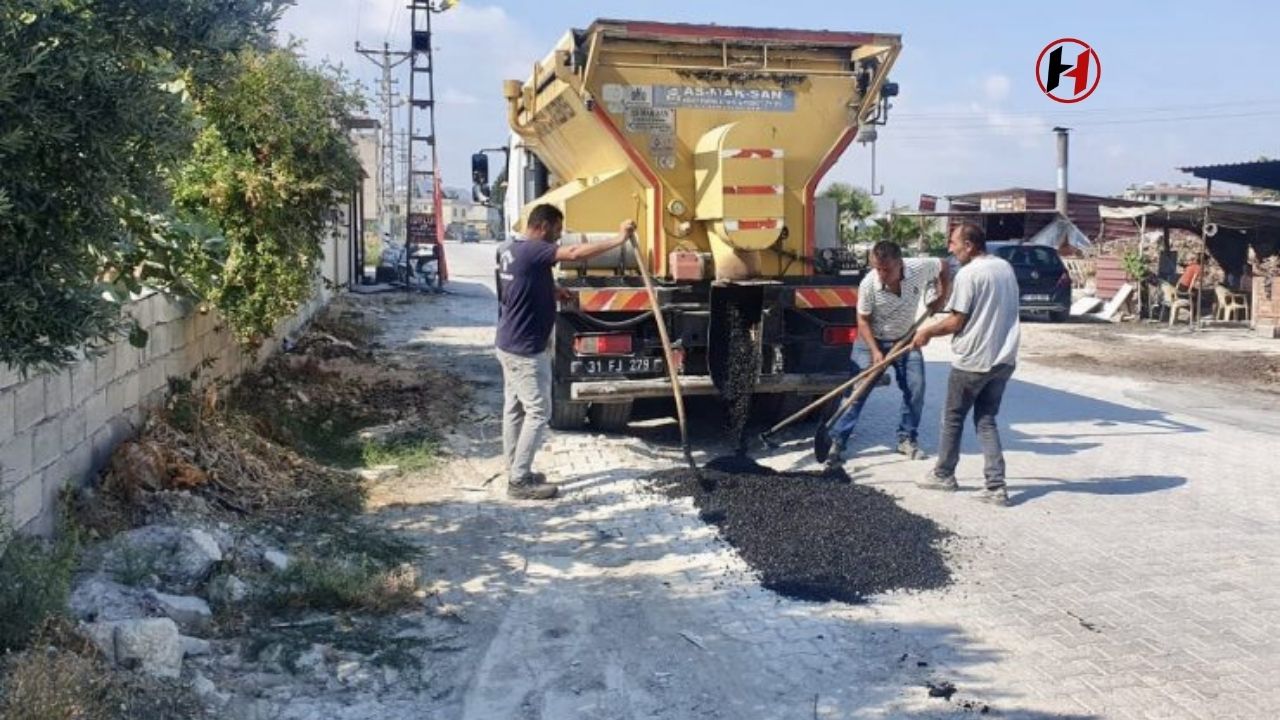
[
  {"x": 1230, "y": 303},
  {"x": 1174, "y": 301}
]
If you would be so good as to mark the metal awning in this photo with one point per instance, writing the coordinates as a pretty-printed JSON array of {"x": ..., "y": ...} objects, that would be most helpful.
[
  {"x": 1229, "y": 214},
  {"x": 1259, "y": 173}
]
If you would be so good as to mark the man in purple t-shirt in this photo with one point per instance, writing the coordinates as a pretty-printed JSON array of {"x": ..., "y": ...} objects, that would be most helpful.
[{"x": 526, "y": 318}]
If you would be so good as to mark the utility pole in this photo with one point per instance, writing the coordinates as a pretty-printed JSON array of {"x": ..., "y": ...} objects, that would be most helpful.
[
  {"x": 402, "y": 156},
  {"x": 386, "y": 59},
  {"x": 422, "y": 99}
]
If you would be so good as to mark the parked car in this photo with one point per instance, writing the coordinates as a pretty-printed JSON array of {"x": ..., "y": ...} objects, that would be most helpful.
[
  {"x": 1044, "y": 285},
  {"x": 470, "y": 235}
]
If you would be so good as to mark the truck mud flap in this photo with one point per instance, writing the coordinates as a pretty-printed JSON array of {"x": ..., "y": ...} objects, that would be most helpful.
[{"x": 733, "y": 332}]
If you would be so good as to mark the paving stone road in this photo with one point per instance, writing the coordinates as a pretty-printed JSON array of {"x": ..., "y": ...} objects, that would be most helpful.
[{"x": 1134, "y": 576}]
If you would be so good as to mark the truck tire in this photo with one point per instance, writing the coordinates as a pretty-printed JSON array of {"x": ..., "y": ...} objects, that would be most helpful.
[
  {"x": 611, "y": 417},
  {"x": 1057, "y": 316},
  {"x": 567, "y": 414}
]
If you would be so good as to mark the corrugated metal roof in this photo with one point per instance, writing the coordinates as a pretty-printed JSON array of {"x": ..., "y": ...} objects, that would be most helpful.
[
  {"x": 1071, "y": 196},
  {"x": 1230, "y": 214},
  {"x": 1258, "y": 173},
  {"x": 1082, "y": 209}
]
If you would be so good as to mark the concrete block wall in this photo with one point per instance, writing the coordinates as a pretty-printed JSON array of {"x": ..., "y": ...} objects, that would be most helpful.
[{"x": 61, "y": 427}]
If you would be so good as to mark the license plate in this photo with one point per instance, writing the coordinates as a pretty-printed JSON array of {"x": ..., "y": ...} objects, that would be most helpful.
[
  {"x": 1037, "y": 298},
  {"x": 620, "y": 365}
]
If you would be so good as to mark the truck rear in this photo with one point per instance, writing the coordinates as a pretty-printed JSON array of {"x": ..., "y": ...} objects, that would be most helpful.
[{"x": 713, "y": 139}]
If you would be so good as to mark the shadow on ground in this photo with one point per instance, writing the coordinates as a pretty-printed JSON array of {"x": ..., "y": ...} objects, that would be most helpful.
[
  {"x": 583, "y": 609},
  {"x": 1021, "y": 493},
  {"x": 598, "y": 606}
]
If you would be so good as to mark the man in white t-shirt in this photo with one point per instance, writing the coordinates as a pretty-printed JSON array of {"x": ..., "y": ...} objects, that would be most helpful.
[
  {"x": 983, "y": 318},
  {"x": 890, "y": 298}
]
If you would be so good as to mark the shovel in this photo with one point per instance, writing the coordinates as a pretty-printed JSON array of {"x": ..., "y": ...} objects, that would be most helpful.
[
  {"x": 767, "y": 436},
  {"x": 667, "y": 354},
  {"x": 822, "y": 436}
]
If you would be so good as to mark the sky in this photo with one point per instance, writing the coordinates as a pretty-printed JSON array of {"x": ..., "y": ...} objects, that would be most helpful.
[{"x": 1183, "y": 83}]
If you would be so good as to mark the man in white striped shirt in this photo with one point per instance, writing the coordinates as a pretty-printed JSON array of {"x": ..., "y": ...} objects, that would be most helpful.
[{"x": 889, "y": 300}]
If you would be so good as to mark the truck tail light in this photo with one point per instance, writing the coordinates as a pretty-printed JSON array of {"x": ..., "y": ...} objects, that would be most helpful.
[
  {"x": 612, "y": 344},
  {"x": 839, "y": 334}
]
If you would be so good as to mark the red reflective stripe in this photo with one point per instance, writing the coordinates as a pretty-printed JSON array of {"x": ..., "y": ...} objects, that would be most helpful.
[
  {"x": 759, "y": 153},
  {"x": 595, "y": 300},
  {"x": 812, "y": 186},
  {"x": 753, "y": 190},
  {"x": 757, "y": 224},
  {"x": 637, "y": 301},
  {"x": 613, "y": 300},
  {"x": 826, "y": 297},
  {"x": 808, "y": 37}
]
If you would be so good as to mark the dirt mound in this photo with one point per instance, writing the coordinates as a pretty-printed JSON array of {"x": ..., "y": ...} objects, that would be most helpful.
[
  {"x": 816, "y": 537},
  {"x": 287, "y": 437}
]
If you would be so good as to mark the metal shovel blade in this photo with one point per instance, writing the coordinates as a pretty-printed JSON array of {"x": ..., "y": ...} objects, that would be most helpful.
[{"x": 821, "y": 437}]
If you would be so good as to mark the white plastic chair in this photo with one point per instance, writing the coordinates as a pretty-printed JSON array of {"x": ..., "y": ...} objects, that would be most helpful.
[
  {"x": 1230, "y": 303},
  {"x": 1173, "y": 302}
]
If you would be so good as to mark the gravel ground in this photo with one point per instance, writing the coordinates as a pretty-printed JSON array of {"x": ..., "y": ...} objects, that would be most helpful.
[{"x": 1222, "y": 356}]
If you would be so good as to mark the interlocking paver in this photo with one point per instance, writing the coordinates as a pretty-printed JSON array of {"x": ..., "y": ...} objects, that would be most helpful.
[{"x": 1159, "y": 530}]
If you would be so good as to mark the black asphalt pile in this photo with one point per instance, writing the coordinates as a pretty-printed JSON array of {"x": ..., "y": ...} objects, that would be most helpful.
[
  {"x": 739, "y": 465},
  {"x": 816, "y": 537}
]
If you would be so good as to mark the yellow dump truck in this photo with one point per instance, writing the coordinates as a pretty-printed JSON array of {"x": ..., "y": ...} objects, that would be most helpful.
[{"x": 714, "y": 140}]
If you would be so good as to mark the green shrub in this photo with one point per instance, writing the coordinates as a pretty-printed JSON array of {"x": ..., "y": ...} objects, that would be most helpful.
[{"x": 37, "y": 583}]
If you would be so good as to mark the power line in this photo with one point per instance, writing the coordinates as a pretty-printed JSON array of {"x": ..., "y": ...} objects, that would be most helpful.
[
  {"x": 1084, "y": 122},
  {"x": 967, "y": 114},
  {"x": 988, "y": 129},
  {"x": 396, "y": 14}
]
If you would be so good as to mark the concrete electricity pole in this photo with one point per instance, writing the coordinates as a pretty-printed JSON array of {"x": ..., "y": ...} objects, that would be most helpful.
[{"x": 386, "y": 59}]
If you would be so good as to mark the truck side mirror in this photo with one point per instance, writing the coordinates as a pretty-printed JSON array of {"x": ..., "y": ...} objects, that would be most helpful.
[
  {"x": 480, "y": 169},
  {"x": 480, "y": 191}
]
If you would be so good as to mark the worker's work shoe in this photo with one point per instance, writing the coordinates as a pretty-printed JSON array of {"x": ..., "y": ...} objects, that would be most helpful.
[
  {"x": 528, "y": 488},
  {"x": 910, "y": 449},
  {"x": 835, "y": 456},
  {"x": 931, "y": 481},
  {"x": 998, "y": 496}
]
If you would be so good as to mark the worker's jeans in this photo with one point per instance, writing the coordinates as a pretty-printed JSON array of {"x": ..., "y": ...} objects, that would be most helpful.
[
  {"x": 526, "y": 390},
  {"x": 909, "y": 372},
  {"x": 982, "y": 393}
]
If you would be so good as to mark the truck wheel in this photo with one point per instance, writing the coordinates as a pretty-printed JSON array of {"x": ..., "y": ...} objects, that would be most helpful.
[
  {"x": 1057, "y": 316},
  {"x": 566, "y": 414},
  {"x": 611, "y": 417}
]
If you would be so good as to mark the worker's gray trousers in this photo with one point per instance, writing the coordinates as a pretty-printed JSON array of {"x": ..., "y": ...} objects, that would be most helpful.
[
  {"x": 526, "y": 390},
  {"x": 982, "y": 393}
]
